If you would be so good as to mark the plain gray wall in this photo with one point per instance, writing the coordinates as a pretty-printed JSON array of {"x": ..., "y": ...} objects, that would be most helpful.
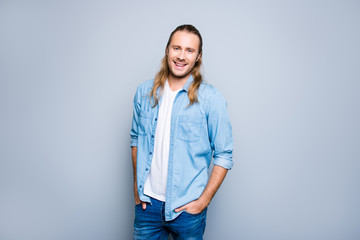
[{"x": 290, "y": 73}]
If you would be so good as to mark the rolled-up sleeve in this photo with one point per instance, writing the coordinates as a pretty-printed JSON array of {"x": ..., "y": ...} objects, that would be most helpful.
[
  {"x": 220, "y": 131},
  {"x": 134, "y": 125}
]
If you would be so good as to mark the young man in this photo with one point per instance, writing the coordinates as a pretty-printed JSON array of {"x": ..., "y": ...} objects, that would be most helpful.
[{"x": 179, "y": 124}]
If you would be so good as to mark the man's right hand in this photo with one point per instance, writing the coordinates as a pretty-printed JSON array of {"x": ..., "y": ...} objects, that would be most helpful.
[
  {"x": 136, "y": 194},
  {"x": 137, "y": 199},
  {"x": 143, "y": 204}
]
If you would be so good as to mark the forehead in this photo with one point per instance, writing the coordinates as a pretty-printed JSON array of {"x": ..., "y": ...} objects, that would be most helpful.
[{"x": 185, "y": 39}]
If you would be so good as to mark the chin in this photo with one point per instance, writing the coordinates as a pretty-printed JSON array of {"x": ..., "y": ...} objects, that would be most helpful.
[{"x": 179, "y": 75}]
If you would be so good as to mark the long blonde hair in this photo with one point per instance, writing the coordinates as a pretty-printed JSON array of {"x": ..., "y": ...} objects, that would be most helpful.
[{"x": 162, "y": 75}]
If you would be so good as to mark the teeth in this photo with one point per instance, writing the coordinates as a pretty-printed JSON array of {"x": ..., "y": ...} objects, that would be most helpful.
[{"x": 180, "y": 65}]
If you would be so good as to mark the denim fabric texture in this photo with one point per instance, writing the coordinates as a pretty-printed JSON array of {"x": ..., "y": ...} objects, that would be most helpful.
[
  {"x": 150, "y": 223},
  {"x": 198, "y": 133}
]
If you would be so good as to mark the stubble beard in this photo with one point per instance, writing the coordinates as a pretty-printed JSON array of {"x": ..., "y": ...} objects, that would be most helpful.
[{"x": 176, "y": 76}]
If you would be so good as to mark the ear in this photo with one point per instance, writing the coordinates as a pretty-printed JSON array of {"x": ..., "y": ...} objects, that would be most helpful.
[
  {"x": 166, "y": 51},
  {"x": 198, "y": 57}
]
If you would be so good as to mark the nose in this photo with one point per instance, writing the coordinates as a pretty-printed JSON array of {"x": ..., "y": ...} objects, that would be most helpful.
[{"x": 181, "y": 55}]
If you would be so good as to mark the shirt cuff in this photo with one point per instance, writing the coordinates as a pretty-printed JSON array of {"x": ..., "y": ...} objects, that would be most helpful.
[
  {"x": 223, "y": 162},
  {"x": 134, "y": 143}
]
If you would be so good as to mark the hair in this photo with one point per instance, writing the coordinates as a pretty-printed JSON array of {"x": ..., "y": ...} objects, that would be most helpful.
[{"x": 162, "y": 75}]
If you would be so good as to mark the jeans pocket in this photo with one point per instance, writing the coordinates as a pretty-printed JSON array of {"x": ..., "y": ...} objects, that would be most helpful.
[{"x": 194, "y": 214}]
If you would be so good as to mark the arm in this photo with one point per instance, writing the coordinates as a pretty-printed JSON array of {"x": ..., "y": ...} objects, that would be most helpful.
[
  {"x": 136, "y": 194},
  {"x": 133, "y": 156},
  {"x": 134, "y": 138},
  {"x": 217, "y": 176}
]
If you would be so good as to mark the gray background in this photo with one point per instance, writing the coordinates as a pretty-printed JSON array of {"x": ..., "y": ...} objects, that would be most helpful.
[{"x": 290, "y": 73}]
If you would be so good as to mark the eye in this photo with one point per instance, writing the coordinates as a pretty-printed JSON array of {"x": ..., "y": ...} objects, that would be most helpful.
[
  {"x": 176, "y": 48},
  {"x": 190, "y": 51}
]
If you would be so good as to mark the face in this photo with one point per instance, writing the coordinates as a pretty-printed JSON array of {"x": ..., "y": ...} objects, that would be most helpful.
[{"x": 182, "y": 54}]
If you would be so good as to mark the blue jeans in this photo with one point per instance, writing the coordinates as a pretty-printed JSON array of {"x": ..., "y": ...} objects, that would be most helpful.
[{"x": 150, "y": 224}]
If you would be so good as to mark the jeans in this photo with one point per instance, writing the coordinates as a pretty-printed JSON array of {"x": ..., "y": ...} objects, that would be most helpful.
[{"x": 150, "y": 224}]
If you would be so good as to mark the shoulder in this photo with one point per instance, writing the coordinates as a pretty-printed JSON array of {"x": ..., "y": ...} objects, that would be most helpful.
[
  {"x": 210, "y": 98},
  {"x": 143, "y": 90},
  {"x": 145, "y": 86},
  {"x": 208, "y": 92}
]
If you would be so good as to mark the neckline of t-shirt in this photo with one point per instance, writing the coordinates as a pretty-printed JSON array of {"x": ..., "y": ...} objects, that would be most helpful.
[{"x": 171, "y": 91}]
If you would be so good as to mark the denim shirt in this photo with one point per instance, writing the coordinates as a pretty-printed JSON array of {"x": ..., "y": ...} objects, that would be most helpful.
[{"x": 198, "y": 133}]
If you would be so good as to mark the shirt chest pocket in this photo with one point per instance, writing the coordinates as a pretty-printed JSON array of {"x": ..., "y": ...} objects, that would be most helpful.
[
  {"x": 144, "y": 122},
  {"x": 189, "y": 129}
]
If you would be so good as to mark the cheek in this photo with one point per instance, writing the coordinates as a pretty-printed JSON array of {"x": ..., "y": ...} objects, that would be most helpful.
[
  {"x": 192, "y": 59},
  {"x": 171, "y": 57},
  {"x": 169, "y": 60}
]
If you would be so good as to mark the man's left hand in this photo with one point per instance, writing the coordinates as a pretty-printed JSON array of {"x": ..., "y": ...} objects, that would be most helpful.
[{"x": 193, "y": 207}]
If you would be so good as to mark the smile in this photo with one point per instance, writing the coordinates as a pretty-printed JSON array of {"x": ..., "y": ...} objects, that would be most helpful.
[{"x": 181, "y": 65}]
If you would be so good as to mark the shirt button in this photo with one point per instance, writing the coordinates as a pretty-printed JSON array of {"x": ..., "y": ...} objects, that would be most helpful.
[
  {"x": 155, "y": 119},
  {"x": 150, "y": 153},
  {"x": 140, "y": 186},
  {"x": 152, "y": 136},
  {"x": 146, "y": 169}
]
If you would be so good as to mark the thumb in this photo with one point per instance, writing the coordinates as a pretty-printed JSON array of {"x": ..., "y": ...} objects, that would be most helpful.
[{"x": 143, "y": 205}]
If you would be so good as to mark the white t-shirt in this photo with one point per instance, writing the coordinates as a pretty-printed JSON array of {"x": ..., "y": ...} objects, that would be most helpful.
[{"x": 155, "y": 184}]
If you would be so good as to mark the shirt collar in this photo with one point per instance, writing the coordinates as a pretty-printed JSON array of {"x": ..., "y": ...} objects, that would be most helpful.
[
  {"x": 184, "y": 88},
  {"x": 188, "y": 83}
]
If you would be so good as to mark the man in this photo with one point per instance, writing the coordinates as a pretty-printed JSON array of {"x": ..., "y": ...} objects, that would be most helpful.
[{"x": 179, "y": 124}]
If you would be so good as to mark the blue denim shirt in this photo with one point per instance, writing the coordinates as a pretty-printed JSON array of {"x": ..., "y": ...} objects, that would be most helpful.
[{"x": 198, "y": 133}]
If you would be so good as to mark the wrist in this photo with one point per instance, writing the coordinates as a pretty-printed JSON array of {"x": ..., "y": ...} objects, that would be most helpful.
[{"x": 204, "y": 202}]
